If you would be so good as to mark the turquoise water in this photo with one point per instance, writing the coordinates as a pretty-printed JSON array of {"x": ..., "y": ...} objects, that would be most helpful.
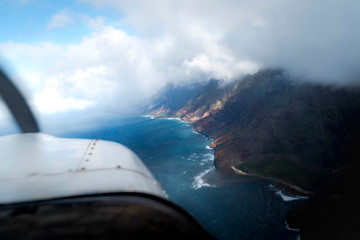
[{"x": 229, "y": 206}]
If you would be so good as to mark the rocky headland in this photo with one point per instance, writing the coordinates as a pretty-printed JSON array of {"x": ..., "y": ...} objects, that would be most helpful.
[{"x": 272, "y": 125}]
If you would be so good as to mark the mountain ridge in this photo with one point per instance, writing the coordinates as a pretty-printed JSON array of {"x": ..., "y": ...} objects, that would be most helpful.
[
  {"x": 303, "y": 134},
  {"x": 268, "y": 123}
]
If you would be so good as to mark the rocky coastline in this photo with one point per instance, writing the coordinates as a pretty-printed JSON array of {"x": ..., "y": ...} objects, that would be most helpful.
[
  {"x": 283, "y": 186},
  {"x": 299, "y": 135}
]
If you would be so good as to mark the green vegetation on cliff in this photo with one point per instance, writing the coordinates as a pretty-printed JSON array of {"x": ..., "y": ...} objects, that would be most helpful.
[
  {"x": 303, "y": 133},
  {"x": 269, "y": 124}
]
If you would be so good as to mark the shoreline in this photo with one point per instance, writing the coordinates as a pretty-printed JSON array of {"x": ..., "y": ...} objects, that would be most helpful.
[{"x": 279, "y": 184}]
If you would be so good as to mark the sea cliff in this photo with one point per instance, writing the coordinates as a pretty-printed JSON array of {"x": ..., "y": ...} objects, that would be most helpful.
[
  {"x": 268, "y": 124},
  {"x": 272, "y": 125}
]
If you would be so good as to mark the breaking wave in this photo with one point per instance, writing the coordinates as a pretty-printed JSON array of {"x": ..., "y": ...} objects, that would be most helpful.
[
  {"x": 285, "y": 197},
  {"x": 199, "y": 181}
]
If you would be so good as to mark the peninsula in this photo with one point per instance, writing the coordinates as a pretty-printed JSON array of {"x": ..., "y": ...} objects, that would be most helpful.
[{"x": 306, "y": 135}]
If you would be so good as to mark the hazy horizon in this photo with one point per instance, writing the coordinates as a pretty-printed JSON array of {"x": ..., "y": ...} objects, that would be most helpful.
[{"x": 91, "y": 55}]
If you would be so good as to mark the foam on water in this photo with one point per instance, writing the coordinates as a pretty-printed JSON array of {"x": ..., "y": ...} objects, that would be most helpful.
[
  {"x": 291, "y": 229},
  {"x": 199, "y": 181},
  {"x": 289, "y": 198},
  {"x": 207, "y": 157},
  {"x": 174, "y": 118},
  {"x": 182, "y": 163},
  {"x": 148, "y": 116},
  {"x": 196, "y": 132},
  {"x": 193, "y": 157},
  {"x": 285, "y": 197}
]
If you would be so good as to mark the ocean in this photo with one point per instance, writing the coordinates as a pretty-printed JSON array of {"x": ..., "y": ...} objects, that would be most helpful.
[{"x": 228, "y": 205}]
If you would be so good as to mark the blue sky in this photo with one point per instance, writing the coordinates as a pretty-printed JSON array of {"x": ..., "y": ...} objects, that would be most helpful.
[
  {"x": 29, "y": 21},
  {"x": 107, "y": 55}
]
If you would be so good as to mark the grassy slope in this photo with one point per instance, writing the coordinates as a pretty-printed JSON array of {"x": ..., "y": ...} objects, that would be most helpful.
[
  {"x": 269, "y": 125},
  {"x": 304, "y": 134},
  {"x": 281, "y": 129}
]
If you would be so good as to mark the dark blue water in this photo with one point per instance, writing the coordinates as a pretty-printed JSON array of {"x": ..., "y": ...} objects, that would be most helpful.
[{"x": 228, "y": 205}]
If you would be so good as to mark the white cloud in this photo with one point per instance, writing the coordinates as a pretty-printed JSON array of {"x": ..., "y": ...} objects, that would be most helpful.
[
  {"x": 76, "y": 89},
  {"x": 68, "y": 17},
  {"x": 259, "y": 22},
  {"x": 108, "y": 66},
  {"x": 187, "y": 41},
  {"x": 223, "y": 67},
  {"x": 317, "y": 41},
  {"x": 51, "y": 101},
  {"x": 61, "y": 19}
]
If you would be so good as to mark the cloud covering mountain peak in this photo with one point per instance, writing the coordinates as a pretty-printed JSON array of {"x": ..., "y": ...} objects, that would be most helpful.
[{"x": 155, "y": 42}]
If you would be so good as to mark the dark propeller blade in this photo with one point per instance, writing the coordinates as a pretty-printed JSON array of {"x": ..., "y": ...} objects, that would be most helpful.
[{"x": 17, "y": 105}]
